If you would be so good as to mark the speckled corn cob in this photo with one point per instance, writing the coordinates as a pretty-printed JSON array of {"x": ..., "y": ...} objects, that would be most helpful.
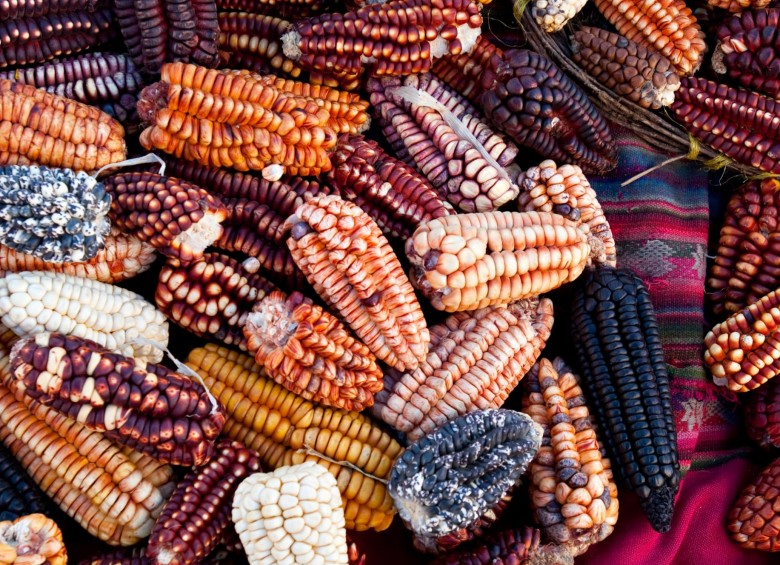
[
  {"x": 739, "y": 5},
  {"x": 145, "y": 406},
  {"x": 280, "y": 8},
  {"x": 538, "y": 106},
  {"x": 286, "y": 429},
  {"x": 33, "y": 539},
  {"x": 474, "y": 171},
  {"x": 19, "y": 495},
  {"x": 350, "y": 264},
  {"x": 211, "y": 297},
  {"x": 761, "y": 413},
  {"x": 462, "y": 72},
  {"x": 628, "y": 69},
  {"x": 396, "y": 197},
  {"x": 176, "y": 217},
  {"x": 308, "y": 351},
  {"x": 553, "y": 15},
  {"x": 252, "y": 41},
  {"x": 616, "y": 337},
  {"x": 37, "y": 127},
  {"x": 448, "y": 479},
  {"x": 564, "y": 190},
  {"x": 475, "y": 360},
  {"x": 507, "y": 547},
  {"x": 471, "y": 261},
  {"x": 668, "y": 27},
  {"x": 38, "y": 301},
  {"x": 754, "y": 521},
  {"x": 572, "y": 492},
  {"x": 198, "y": 512}
]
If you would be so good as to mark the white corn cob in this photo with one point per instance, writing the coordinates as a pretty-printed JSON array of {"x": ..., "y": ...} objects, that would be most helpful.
[
  {"x": 552, "y": 15},
  {"x": 40, "y": 301},
  {"x": 293, "y": 515}
]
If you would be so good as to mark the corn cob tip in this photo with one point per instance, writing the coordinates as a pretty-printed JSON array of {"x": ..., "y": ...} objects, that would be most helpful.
[
  {"x": 32, "y": 539},
  {"x": 290, "y": 45},
  {"x": 659, "y": 508}
]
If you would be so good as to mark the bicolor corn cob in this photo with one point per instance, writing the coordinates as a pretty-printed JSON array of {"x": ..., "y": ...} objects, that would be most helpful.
[
  {"x": 286, "y": 429},
  {"x": 754, "y": 520},
  {"x": 19, "y": 495},
  {"x": 616, "y": 337},
  {"x": 252, "y": 41},
  {"x": 350, "y": 264},
  {"x": 762, "y": 415},
  {"x": 292, "y": 515},
  {"x": 462, "y": 72},
  {"x": 33, "y": 539},
  {"x": 433, "y": 128},
  {"x": 553, "y": 15},
  {"x": 471, "y": 261},
  {"x": 177, "y": 218},
  {"x": 475, "y": 360},
  {"x": 197, "y": 515},
  {"x": 515, "y": 546},
  {"x": 37, "y": 127},
  {"x": 739, "y": 5},
  {"x": 144, "y": 406},
  {"x": 281, "y": 8},
  {"x": 538, "y": 106},
  {"x": 39, "y": 301}
]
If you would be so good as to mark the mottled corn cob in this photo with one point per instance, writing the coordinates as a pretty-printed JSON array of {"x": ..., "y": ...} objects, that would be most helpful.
[
  {"x": 350, "y": 264},
  {"x": 762, "y": 415},
  {"x": 286, "y": 429},
  {"x": 145, "y": 406},
  {"x": 507, "y": 547},
  {"x": 252, "y": 41},
  {"x": 754, "y": 520},
  {"x": 211, "y": 297},
  {"x": 462, "y": 72},
  {"x": 471, "y": 261},
  {"x": 292, "y": 515},
  {"x": 431, "y": 127},
  {"x": 198, "y": 513},
  {"x": 564, "y": 190},
  {"x": 739, "y": 5},
  {"x": 475, "y": 360},
  {"x": 33, "y": 539},
  {"x": 553, "y": 15},
  {"x": 176, "y": 217},
  {"x": 627, "y": 68},
  {"x": 280, "y": 8},
  {"x": 538, "y": 106},
  {"x": 37, "y": 127},
  {"x": 19, "y": 495},
  {"x": 616, "y": 337},
  {"x": 38, "y": 301}
]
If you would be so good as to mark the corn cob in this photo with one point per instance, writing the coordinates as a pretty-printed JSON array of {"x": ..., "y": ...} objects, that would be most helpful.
[
  {"x": 251, "y": 41},
  {"x": 123, "y": 257},
  {"x": 281, "y": 8},
  {"x": 125, "y": 556},
  {"x": 448, "y": 479},
  {"x": 538, "y": 106},
  {"x": 754, "y": 521},
  {"x": 475, "y": 360},
  {"x": 354, "y": 555},
  {"x": 739, "y": 5},
  {"x": 286, "y": 429},
  {"x": 627, "y": 68},
  {"x": 501, "y": 548},
  {"x": 433, "y": 128},
  {"x": 393, "y": 194},
  {"x": 572, "y": 492},
  {"x": 668, "y": 27},
  {"x": 553, "y": 15},
  {"x": 33, "y": 539},
  {"x": 762, "y": 415},
  {"x": 142, "y": 405},
  {"x": 19, "y": 495},
  {"x": 462, "y": 72},
  {"x": 471, "y": 261},
  {"x": 176, "y": 217},
  {"x": 617, "y": 341},
  {"x": 292, "y": 515},
  {"x": 309, "y": 352},
  {"x": 564, "y": 190},
  {"x": 45, "y": 129},
  {"x": 198, "y": 512},
  {"x": 38, "y": 301}
]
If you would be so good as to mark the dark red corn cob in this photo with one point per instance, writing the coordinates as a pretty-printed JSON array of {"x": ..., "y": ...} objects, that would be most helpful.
[
  {"x": 125, "y": 556},
  {"x": 144, "y": 406},
  {"x": 762, "y": 415},
  {"x": 280, "y": 8},
  {"x": 19, "y": 494},
  {"x": 754, "y": 520},
  {"x": 11, "y": 10},
  {"x": 463, "y": 72},
  {"x": 508, "y": 547},
  {"x": 199, "y": 510}
]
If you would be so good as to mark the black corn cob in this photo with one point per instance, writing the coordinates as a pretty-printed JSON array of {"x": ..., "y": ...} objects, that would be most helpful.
[
  {"x": 616, "y": 337},
  {"x": 19, "y": 495}
]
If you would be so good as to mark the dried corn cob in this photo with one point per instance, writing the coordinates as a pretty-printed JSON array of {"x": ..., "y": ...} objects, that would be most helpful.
[
  {"x": 19, "y": 495},
  {"x": 507, "y": 547},
  {"x": 448, "y": 479},
  {"x": 739, "y": 5},
  {"x": 619, "y": 348},
  {"x": 267, "y": 128},
  {"x": 354, "y": 555},
  {"x": 628, "y": 69},
  {"x": 572, "y": 492},
  {"x": 252, "y": 41},
  {"x": 45, "y": 129},
  {"x": 475, "y": 360},
  {"x": 281, "y": 8},
  {"x": 33, "y": 539},
  {"x": 210, "y": 297},
  {"x": 754, "y": 521},
  {"x": 350, "y": 264},
  {"x": 762, "y": 415},
  {"x": 538, "y": 106},
  {"x": 306, "y": 350},
  {"x": 462, "y": 72},
  {"x": 393, "y": 194},
  {"x": 142, "y": 405},
  {"x": 471, "y": 261},
  {"x": 38, "y": 301},
  {"x": 178, "y": 218},
  {"x": 433, "y": 128},
  {"x": 198, "y": 512},
  {"x": 564, "y": 190},
  {"x": 123, "y": 257},
  {"x": 553, "y": 15},
  {"x": 668, "y": 27},
  {"x": 292, "y": 515},
  {"x": 124, "y": 556},
  {"x": 286, "y": 429}
]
